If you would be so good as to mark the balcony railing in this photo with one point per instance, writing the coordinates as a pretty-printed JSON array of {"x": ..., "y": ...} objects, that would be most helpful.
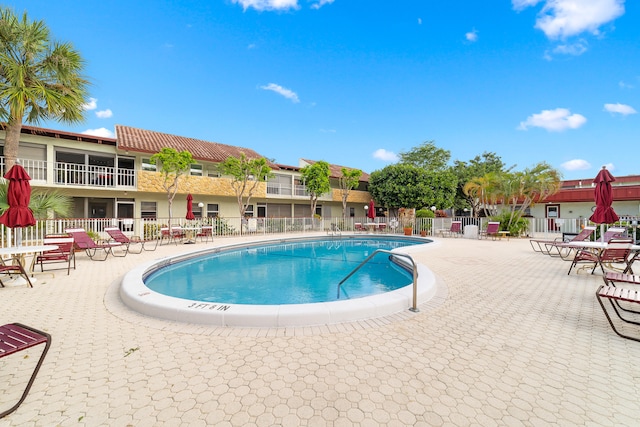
[{"x": 77, "y": 174}]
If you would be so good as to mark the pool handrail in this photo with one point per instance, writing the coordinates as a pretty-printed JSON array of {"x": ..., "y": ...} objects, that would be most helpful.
[{"x": 414, "y": 307}]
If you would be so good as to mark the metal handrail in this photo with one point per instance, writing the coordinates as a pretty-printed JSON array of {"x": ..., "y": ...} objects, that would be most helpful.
[{"x": 414, "y": 307}]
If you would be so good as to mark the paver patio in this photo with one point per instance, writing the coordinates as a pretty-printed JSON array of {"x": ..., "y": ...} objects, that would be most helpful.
[{"x": 510, "y": 339}]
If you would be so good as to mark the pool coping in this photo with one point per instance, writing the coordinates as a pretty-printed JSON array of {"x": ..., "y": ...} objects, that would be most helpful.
[{"x": 137, "y": 296}]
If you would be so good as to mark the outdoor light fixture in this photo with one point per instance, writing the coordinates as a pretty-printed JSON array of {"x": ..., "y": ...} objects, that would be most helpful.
[
  {"x": 200, "y": 205},
  {"x": 433, "y": 208}
]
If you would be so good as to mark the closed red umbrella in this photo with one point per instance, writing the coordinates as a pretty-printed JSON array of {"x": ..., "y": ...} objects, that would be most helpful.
[
  {"x": 190, "y": 214},
  {"x": 604, "y": 213},
  {"x": 18, "y": 196},
  {"x": 371, "y": 212}
]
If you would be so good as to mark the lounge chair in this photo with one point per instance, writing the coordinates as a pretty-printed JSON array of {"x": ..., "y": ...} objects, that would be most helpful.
[
  {"x": 82, "y": 241},
  {"x": 129, "y": 243},
  {"x": 64, "y": 254},
  {"x": 617, "y": 295},
  {"x": 546, "y": 246},
  {"x": 359, "y": 228},
  {"x": 493, "y": 230},
  {"x": 15, "y": 337},
  {"x": 454, "y": 231},
  {"x": 13, "y": 268},
  {"x": 616, "y": 252}
]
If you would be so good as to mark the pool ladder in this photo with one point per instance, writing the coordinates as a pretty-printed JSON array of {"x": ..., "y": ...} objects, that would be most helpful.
[{"x": 414, "y": 269}]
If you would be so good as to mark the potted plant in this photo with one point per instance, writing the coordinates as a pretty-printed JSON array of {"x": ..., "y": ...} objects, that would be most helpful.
[
  {"x": 425, "y": 222},
  {"x": 406, "y": 218}
]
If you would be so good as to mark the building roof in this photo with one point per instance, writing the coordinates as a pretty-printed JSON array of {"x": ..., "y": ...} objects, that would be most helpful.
[
  {"x": 71, "y": 136},
  {"x": 147, "y": 141},
  {"x": 335, "y": 171}
]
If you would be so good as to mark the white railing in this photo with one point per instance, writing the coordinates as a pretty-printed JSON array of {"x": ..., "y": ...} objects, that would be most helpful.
[
  {"x": 229, "y": 227},
  {"x": 77, "y": 174}
]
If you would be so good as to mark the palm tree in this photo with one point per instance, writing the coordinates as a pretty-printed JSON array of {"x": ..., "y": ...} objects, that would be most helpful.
[
  {"x": 39, "y": 79},
  {"x": 41, "y": 203}
]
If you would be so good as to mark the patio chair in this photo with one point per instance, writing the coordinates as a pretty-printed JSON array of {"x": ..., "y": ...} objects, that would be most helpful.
[
  {"x": 175, "y": 234},
  {"x": 118, "y": 236},
  {"x": 64, "y": 254},
  {"x": 16, "y": 337},
  {"x": 13, "y": 268},
  {"x": 206, "y": 233},
  {"x": 546, "y": 246},
  {"x": 493, "y": 229},
  {"x": 358, "y": 228},
  {"x": 616, "y": 252},
  {"x": 82, "y": 241},
  {"x": 617, "y": 295},
  {"x": 454, "y": 231}
]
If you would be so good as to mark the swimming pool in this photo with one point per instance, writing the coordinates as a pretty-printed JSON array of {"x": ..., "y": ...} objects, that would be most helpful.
[
  {"x": 285, "y": 273},
  {"x": 137, "y": 295}
]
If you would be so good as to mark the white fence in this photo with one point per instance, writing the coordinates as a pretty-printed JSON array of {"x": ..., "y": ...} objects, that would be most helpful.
[{"x": 538, "y": 227}]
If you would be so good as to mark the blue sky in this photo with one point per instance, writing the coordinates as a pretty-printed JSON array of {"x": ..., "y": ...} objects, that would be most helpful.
[{"x": 355, "y": 82}]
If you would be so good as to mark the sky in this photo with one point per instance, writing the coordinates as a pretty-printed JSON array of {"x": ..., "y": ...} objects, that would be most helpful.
[{"x": 356, "y": 82}]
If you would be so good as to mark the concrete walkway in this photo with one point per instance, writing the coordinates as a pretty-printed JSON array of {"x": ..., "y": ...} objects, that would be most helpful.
[{"x": 509, "y": 340}]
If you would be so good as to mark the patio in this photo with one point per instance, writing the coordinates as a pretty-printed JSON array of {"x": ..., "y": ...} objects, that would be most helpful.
[{"x": 509, "y": 339}]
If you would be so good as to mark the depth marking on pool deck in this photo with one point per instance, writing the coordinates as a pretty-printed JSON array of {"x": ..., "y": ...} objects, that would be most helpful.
[{"x": 207, "y": 306}]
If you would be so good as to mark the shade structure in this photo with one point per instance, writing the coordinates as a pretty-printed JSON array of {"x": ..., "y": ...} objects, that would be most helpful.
[
  {"x": 190, "y": 214},
  {"x": 18, "y": 196},
  {"x": 371, "y": 212},
  {"x": 604, "y": 213}
]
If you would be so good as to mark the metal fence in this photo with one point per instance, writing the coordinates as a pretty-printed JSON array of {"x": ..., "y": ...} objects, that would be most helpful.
[{"x": 223, "y": 227}]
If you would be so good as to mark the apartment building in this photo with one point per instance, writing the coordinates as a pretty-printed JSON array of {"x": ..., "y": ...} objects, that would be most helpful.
[{"x": 114, "y": 177}]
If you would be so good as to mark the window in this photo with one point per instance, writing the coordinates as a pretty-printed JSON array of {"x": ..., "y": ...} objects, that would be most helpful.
[
  {"x": 148, "y": 210},
  {"x": 147, "y": 165},
  {"x": 352, "y": 212},
  {"x": 249, "y": 211},
  {"x": 213, "y": 171},
  {"x": 212, "y": 210},
  {"x": 196, "y": 170}
]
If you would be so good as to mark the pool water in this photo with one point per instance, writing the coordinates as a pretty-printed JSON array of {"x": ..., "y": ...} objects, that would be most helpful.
[{"x": 286, "y": 273}]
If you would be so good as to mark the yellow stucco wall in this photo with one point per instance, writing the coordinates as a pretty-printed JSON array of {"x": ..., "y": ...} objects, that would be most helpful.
[{"x": 152, "y": 182}]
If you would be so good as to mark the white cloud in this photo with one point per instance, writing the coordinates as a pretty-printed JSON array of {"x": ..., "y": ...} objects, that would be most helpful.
[
  {"x": 610, "y": 167},
  {"x": 620, "y": 109},
  {"x": 91, "y": 105},
  {"x": 419, "y": 21},
  {"x": 624, "y": 85},
  {"x": 472, "y": 36},
  {"x": 268, "y": 4},
  {"x": 103, "y": 132},
  {"x": 104, "y": 114},
  {"x": 321, "y": 3},
  {"x": 554, "y": 120},
  {"x": 287, "y": 93},
  {"x": 566, "y": 18},
  {"x": 576, "y": 165},
  {"x": 387, "y": 156},
  {"x": 575, "y": 49}
]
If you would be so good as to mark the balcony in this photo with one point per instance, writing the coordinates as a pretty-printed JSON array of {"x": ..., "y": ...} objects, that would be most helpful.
[{"x": 72, "y": 174}]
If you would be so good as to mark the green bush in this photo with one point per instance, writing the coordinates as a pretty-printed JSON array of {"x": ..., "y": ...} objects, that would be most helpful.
[{"x": 517, "y": 228}]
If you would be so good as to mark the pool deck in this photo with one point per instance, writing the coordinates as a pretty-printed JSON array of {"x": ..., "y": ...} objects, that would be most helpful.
[{"x": 509, "y": 339}]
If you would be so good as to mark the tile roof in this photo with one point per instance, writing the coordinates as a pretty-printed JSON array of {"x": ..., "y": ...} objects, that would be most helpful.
[
  {"x": 336, "y": 170},
  {"x": 146, "y": 141}
]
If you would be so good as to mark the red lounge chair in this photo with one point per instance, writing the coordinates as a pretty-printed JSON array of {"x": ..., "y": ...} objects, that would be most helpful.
[
  {"x": 16, "y": 337},
  {"x": 64, "y": 254},
  {"x": 618, "y": 295},
  {"x": 14, "y": 268},
  {"x": 556, "y": 246},
  {"x": 81, "y": 240},
  {"x": 616, "y": 252},
  {"x": 118, "y": 236},
  {"x": 359, "y": 228},
  {"x": 492, "y": 230},
  {"x": 454, "y": 231}
]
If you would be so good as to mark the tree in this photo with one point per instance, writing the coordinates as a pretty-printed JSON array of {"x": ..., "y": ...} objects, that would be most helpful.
[
  {"x": 245, "y": 175},
  {"x": 349, "y": 180},
  {"x": 316, "y": 181},
  {"x": 484, "y": 193},
  {"x": 466, "y": 172},
  {"x": 173, "y": 165},
  {"x": 39, "y": 79},
  {"x": 427, "y": 156},
  {"x": 41, "y": 203},
  {"x": 409, "y": 186}
]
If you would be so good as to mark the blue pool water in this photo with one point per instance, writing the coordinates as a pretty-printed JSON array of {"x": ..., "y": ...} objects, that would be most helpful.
[{"x": 286, "y": 273}]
